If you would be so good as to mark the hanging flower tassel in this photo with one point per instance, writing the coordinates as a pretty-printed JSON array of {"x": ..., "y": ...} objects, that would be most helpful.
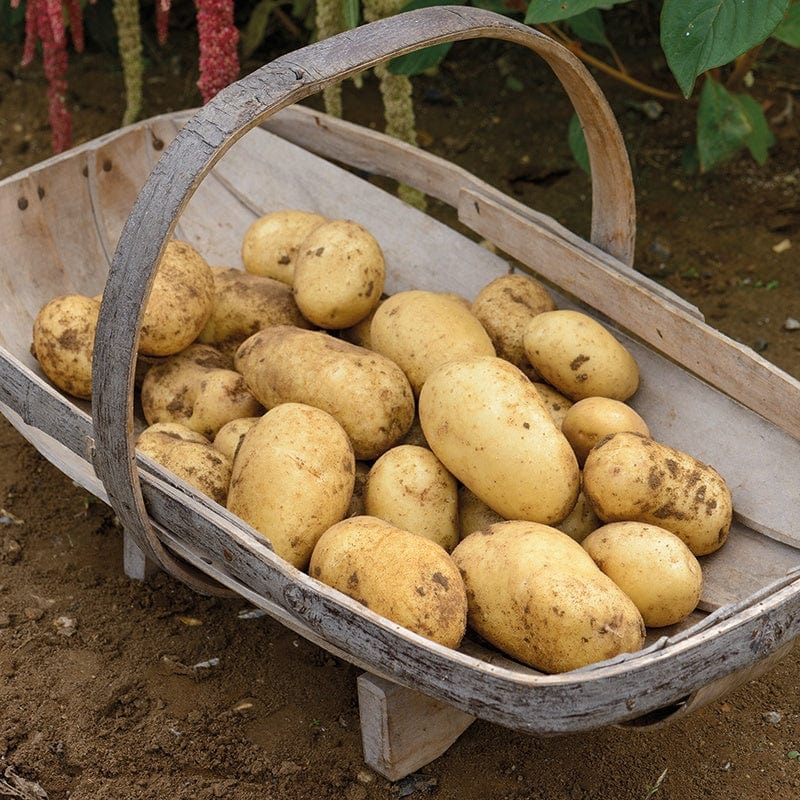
[
  {"x": 162, "y": 20},
  {"x": 330, "y": 21},
  {"x": 129, "y": 39},
  {"x": 219, "y": 59}
]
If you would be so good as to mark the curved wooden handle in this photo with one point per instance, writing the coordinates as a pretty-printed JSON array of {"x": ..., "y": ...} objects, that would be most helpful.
[{"x": 218, "y": 125}]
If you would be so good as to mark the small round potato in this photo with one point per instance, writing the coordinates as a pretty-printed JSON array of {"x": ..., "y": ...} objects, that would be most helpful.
[
  {"x": 557, "y": 404},
  {"x": 631, "y": 477},
  {"x": 63, "y": 342},
  {"x": 473, "y": 513},
  {"x": 592, "y": 418},
  {"x": 396, "y": 573},
  {"x": 271, "y": 243},
  {"x": 652, "y": 566},
  {"x": 230, "y": 435},
  {"x": 505, "y": 307},
  {"x": 339, "y": 274},
  {"x": 189, "y": 455},
  {"x": 581, "y": 521},
  {"x": 293, "y": 478},
  {"x": 180, "y": 301},
  {"x": 409, "y": 487},
  {"x": 536, "y": 594},
  {"x": 580, "y": 357}
]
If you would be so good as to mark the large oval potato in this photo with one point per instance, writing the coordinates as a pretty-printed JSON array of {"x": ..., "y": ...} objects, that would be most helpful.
[
  {"x": 180, "y": 301},
  {"x": 409, "y": 487},
  {"x": 63, "y": 342},
  {"x": 487, "y": 424},
  {"x": 366, "y": 392},
  {"x": 538, "y": 596},
  {"x": 579, "y": 356},
  {"x": 395, "y": 573},
  {"x": 339, "y": 274},
  {"x": 421, "y": 330},
  {"x": 631, "y": 477},
  {"x": 652, "y": 566},
  {"x": 293, "y": 477}
]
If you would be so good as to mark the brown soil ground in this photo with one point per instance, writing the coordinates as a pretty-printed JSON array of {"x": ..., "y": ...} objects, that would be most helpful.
[{"x": 116, "y": 709}]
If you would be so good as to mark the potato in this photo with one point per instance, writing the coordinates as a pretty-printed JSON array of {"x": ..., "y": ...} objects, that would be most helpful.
[
  {"x": 579, "y": 356},
  {"x": 538, "y": 596},
  {"x": 396, "y": 573},
  {"x": 505, "y": 307},
  {"x": 339, "y": 274},
  {"x": 592, "y": 418},
  {"x": 581, "y": 521},
  {"x": 360, "y": 333},
  {"x": 366, "y": 392},
  {"x": 488, "y": 425},
  {"x": 180, "y": 301},
  {"x": 271, "y": 243},
  {"x": 63, "y": 342},
  {"x": 293, "y": 478},
  {"x": 652, "y": 566},
  {"x": 244, "y": 304},
  {"x": 631, "y": 477},
  {"x": 409, "y": 487},
  {"x": 357, "y": 507},
  {"x": 473, "y": 513},
  {"x": 189, "y": 455},
  {"x": 556, "y": 403},
  {"x": 230, "y": 435},
  {"x": 421, "y": 330},
  {"x": 197, "y": 389}
]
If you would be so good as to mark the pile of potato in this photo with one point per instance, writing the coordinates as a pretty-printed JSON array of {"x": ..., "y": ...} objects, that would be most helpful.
[{"x": 447, "y": 463}]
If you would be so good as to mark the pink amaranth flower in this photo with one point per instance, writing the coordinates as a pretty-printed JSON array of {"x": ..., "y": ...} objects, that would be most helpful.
[
  {"x": 219, "y": 59},
  {"x": 162, "y": 20}
]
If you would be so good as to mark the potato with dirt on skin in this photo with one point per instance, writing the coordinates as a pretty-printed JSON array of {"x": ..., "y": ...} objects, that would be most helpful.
[
  {"x": 245, "y": 303},
  {"x": 420, "y": 330},
  {"x": 366, "y": 392},
  {"x": 396, "y": 573},
  {"x": 473, "y": 513},
  {"x": 180, "y": 301},
  {"x": 591, "y": 419},
  {"x": 197, "y": 388},
  {"x": 339, "y": 274},
  {"x": 631, "y": 477},
  {"x": 230, "y": 435},
  {"x": 557, "y": 404},
  {"x": 537, "y": 595},
  {"x": 487, "y": 424},
  {"x": 504, "y": 308},
  {"x": 579, "y": 356},
  {"x": 581, "y": 521},
  {"x": 63, "y": 342},
  {"x": 409, "y": 487},
  {"x": 190, "y": 455},
  {"x": 652, "y": 566},
  {"x": 293, "y": 478},
  {"x": 271, "y": 243}
]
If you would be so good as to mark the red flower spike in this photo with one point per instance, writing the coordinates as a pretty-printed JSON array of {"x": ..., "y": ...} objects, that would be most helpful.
[{"x": 219, "y": 60}]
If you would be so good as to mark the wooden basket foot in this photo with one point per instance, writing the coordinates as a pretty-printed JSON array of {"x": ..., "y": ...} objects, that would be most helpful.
[
  {"x": 135, "y": 563},
  {"x": 403, "y": 730}
]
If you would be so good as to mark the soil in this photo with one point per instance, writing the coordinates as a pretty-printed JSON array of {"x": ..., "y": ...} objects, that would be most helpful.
[{"x": 103, "y": 688}]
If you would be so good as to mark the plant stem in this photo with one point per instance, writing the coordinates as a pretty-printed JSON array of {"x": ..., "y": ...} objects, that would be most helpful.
[{"x": 742, "y": 66}]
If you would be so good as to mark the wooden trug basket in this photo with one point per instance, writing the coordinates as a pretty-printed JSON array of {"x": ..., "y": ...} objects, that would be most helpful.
[{"x": 97, "y": 218}]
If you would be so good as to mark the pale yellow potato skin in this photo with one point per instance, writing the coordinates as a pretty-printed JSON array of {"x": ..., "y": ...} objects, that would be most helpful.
[
  {"x": 473, "y": 513},
  {"x": 579, "y": 356},
  {"x": 631, "y": 477},
  {"x": 63, "y": 342},
  {"x": 339, "y": 274},
  {"x": 244, "y": 304},
  {"x": 190, "y": 455},
  {"x": 505, "y": 307},
  {"x": 180, "y": 301},
  {"x": 366, "y": 392},
  {"x": 557, "y": 404},
  {"x": 396, "y": 573},
  {"x": 409, "y": 487},
  {"x": 197, "y": 388},
  {"x": 581, "y": 521},
  {"x": 420, "y": 330},
  {"x": 488, "y": 425},
  {"x": 538, "y": 596},
  {"x": 271, "y": 243},
  {"x": 293, "y": 478},
  {"x": 591, "y": 419},
  {"x": 652, "y": 566},
  {"x": 230, "y": 435}
]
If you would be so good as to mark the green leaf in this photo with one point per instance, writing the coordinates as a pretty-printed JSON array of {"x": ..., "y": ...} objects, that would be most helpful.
[
  {"x": 425, "y": 59},
  {"x": 700, "y": 35},
  {"x": 256, "y": 28},
  {"x": 788, "y": 31},
  {"x": 352, "y": 13},
  {"x": 588, "y": 27},
  {"x": 577, "y": 144},
  {"x": 726, "y": 123},
  {"x": 554, "y": 10}
]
